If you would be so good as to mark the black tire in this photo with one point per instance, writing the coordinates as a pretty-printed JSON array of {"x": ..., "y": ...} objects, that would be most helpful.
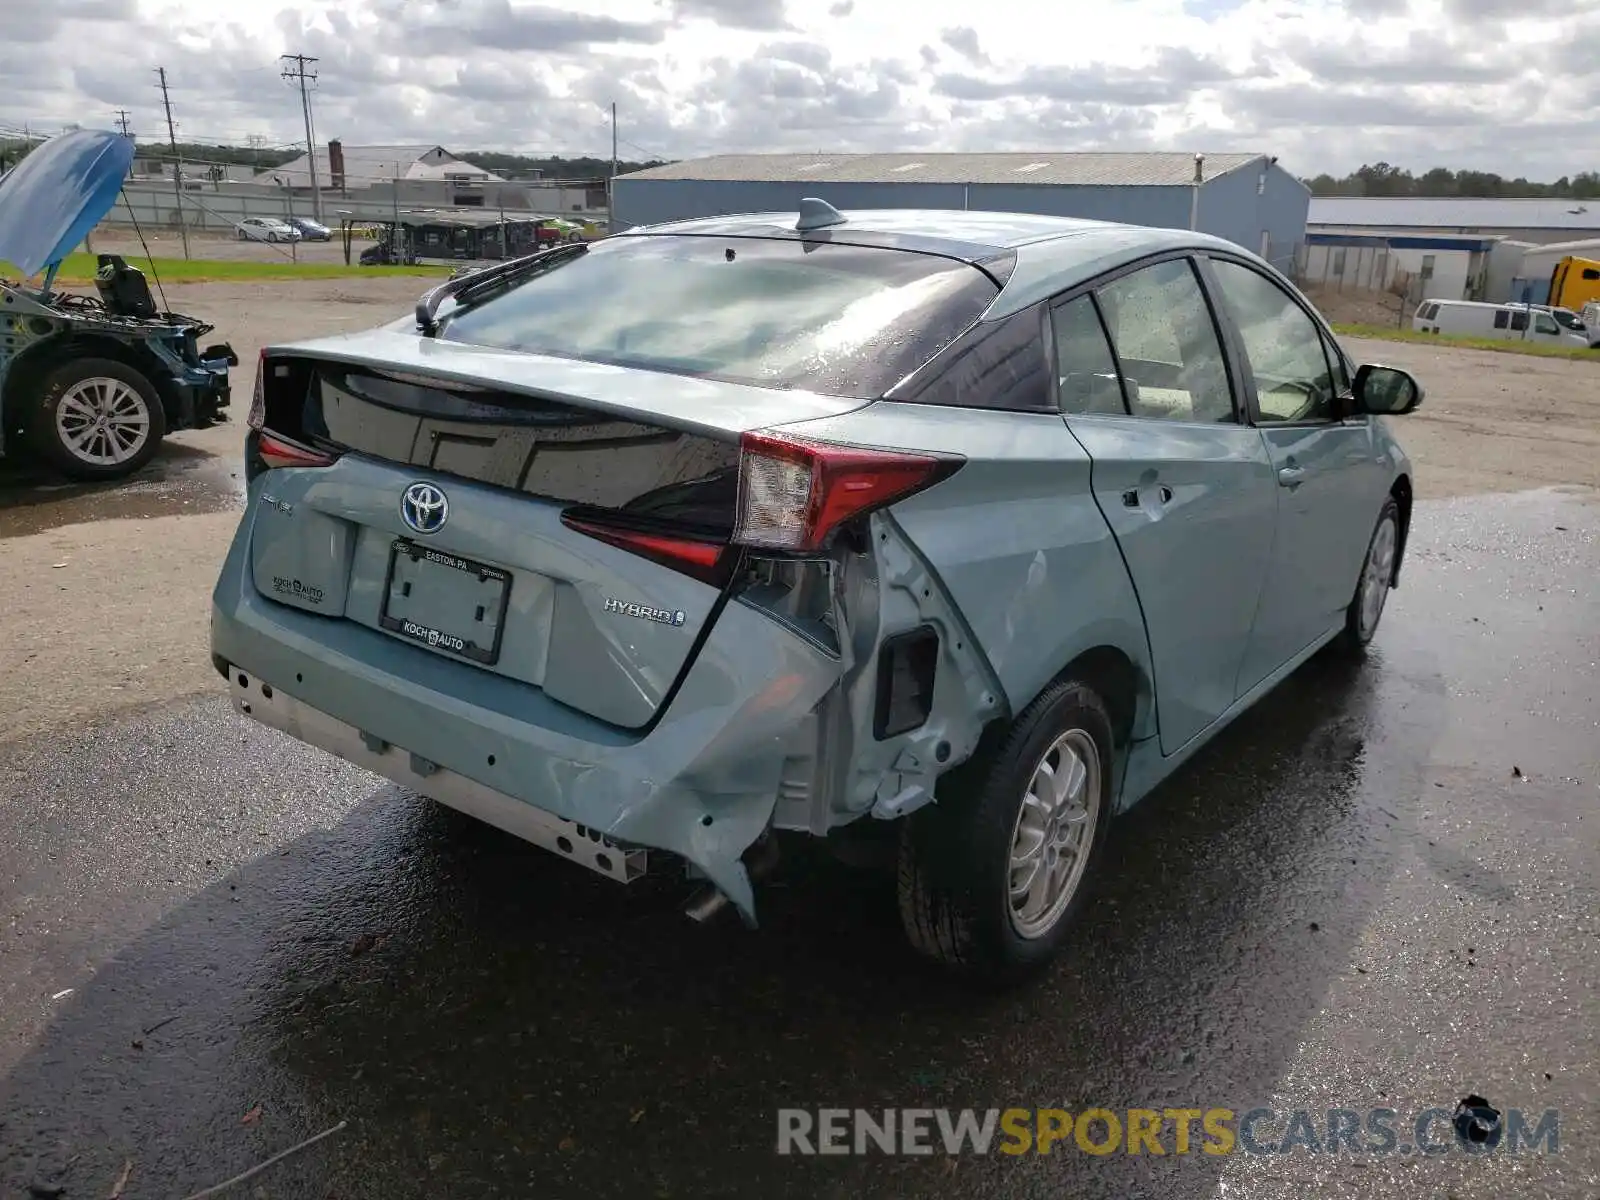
[
  {"x": 51, "y": 443},
  {"x": 1360, "y": 624},
  {"x": 955, "y": 854}
]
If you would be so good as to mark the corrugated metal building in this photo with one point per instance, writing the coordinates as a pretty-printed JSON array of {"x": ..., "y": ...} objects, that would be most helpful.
[
  {"x": 1246, "y": 198},
  {"x": 1536, "y": 220},
  {"x": 1437, "y": 266}
]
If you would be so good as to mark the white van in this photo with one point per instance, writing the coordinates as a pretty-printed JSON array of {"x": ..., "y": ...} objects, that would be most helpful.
[{"x": 1474, "y": 318}]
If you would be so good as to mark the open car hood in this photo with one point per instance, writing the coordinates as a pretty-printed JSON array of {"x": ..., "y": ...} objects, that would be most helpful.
[{"x": 51, "y": 200}]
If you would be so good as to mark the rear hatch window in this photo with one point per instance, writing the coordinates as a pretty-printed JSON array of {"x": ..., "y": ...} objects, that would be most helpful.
[{"x": 784, "y": 313}]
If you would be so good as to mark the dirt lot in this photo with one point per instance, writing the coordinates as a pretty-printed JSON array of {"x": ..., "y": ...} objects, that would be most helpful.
[{"x": 106, "y": 590}]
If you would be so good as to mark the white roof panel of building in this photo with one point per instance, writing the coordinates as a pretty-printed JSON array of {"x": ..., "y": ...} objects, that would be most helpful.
[
  {"x": 1450, "y": 213},
  {"x": 1088, "y": 168}
]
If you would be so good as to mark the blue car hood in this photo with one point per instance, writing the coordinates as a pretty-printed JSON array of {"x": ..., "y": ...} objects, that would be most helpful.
[{"x": 52, "y": 199}]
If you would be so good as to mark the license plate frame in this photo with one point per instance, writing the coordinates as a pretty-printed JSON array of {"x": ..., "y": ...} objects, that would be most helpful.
[{"x": 424, "y": 633}]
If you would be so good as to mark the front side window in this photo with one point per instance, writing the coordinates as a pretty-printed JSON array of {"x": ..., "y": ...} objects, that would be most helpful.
[
  {"x": 1282, "y": 342},
  {"x": 1172, "y": 363},
  {"x": 782, "y": 313},
  {"x": 1545, "y": 323}
]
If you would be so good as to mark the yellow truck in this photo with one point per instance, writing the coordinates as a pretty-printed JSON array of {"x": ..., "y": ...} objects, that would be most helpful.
[{"x": 1574, "y": 282}]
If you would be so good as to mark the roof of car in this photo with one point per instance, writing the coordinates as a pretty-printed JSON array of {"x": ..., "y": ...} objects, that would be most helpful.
[{"x": 1052, "y": 253}]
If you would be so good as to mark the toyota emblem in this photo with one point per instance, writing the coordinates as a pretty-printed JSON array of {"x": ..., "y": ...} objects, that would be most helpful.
[{"x": 424, "y": 507}]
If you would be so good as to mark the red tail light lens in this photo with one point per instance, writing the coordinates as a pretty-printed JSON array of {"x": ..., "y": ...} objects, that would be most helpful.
[
  {"x": 793, "y": 492},
  {"x": 274, "y": 451},
  {"x": 706, "y": 561}
]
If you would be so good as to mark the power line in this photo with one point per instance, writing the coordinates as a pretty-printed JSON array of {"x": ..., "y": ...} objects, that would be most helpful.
[
  {"x": 177, "y": 169},
  {"x": 298, "y": 72}
]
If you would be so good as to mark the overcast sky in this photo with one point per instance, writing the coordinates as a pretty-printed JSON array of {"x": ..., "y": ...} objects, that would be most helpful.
[{"x": 1504, "y": 85}]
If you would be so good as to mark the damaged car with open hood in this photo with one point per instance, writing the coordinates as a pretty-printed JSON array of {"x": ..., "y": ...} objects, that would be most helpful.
[
  {"x": 90, "y": 384},
  {"x": 959, "y": 529}
]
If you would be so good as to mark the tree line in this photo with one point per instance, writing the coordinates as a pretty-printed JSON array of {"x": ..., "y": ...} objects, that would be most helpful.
[{"x": 1383, "y": 179}]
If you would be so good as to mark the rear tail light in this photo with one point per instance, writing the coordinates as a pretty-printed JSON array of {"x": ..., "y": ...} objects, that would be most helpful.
[
  {"x": 275, "y": 451},
  {"x": 706, "y": 561},
  {"x": 793, "y": 493}
]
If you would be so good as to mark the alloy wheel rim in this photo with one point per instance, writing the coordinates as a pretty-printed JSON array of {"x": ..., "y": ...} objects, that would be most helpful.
[
  {"x": 1377, "y": 576},
  {"x": 1052, "y": 835},
  {"x": 103, "y": 421}
]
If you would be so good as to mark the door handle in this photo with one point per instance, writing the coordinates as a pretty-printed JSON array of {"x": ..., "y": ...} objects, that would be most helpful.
[
  {"x": 1291, "y": 477},
  {"x": 1130, "y": 498}
]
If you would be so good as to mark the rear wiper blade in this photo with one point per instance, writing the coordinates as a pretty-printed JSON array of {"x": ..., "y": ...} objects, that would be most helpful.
[{"x": 470, "y": 288}]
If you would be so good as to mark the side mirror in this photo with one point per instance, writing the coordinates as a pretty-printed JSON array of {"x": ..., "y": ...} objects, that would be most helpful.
[{"x": 1386, "y": 391}]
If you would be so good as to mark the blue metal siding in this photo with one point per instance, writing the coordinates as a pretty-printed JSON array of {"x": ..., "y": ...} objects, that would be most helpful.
[
  {"x": 1237, "y": 207},
  {"x": 650, "y": 201},
  {"x": 1161, "y": 207},
  {"x": 1229, "y": 204}
]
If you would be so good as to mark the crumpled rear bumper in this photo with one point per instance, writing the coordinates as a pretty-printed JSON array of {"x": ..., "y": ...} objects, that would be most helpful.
[{"x": 701, "y": 784}]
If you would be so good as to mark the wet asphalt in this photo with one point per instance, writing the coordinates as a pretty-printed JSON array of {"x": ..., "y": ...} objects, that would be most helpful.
[{"x": 1377, "y": 889}]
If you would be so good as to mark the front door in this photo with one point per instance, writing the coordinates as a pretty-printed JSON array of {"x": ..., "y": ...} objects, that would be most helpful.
[
  {"x": 1185, "y": 485},
  {"x": 1325, "y": 468}
]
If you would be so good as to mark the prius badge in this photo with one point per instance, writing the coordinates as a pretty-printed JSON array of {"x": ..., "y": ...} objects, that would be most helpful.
[
  {"x": 662, "y": 616},
  {"x": 424, "y": 507}
]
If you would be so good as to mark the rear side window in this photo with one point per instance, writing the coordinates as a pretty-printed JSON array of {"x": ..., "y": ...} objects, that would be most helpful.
[
  {"x": 1519, "y": 321},
  {"x": 780, "y": 313},
  {"x": 1502, "y": 319},
  {"x": 1087, "y": 371},
  {"x": 997, "y": 364}
]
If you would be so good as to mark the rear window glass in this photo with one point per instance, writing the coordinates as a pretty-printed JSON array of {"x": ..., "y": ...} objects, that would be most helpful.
[{"x": 781, "y": 313}]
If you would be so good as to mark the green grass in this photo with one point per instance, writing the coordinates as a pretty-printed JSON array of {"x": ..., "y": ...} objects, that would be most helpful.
[
  {"x": 1536, "y": 349},
  {"x": 78, "y": 270}
]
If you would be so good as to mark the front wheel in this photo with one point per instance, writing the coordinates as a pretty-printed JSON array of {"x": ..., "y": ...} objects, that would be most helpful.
[
  {"x": 1372, "y": 587},
  {"x": 97, "y": 419},
  {"x": 994, "y": 872}
]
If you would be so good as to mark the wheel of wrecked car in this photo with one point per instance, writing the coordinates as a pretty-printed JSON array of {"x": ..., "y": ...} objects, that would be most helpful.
[
  {"x": 96, "y": 419},
  {"x": 993, "y": 873},
  {"x": 1377, "y": 575}
]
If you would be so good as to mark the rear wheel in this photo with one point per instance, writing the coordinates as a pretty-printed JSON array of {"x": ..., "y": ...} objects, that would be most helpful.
[
  {"x": 1372, "y": 588},
  {"x": 97, "y": 419},
  {"x": 993, "y": 873}
]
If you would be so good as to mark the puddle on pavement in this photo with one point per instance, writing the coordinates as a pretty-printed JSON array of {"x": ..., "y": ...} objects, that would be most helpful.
[{"x": 180, "y": 481}]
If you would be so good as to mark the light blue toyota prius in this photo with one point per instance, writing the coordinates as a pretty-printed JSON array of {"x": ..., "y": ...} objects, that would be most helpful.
[{"x": 661, "y": 550}]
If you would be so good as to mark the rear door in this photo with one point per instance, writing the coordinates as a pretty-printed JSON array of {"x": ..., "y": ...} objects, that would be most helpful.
[
  {"x": 1184, "y": 483},
  {"x": 1326, "y": 466}
]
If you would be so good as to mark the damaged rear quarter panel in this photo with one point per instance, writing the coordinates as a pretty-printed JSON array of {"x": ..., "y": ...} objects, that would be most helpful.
[{"x": 1009, "y": 559}]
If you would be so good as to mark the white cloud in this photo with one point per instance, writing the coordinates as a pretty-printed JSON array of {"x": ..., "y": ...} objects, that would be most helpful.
[{"x": 1323, "y": 84}]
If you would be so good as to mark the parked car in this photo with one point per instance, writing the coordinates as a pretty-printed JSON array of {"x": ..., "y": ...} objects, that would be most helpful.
[
  {"x": 980, "y": 523},
  {"x": 1513, "y": 322},
  {"x": 266, "y": 229},
  {"x": 309, "y": 230},
  {"x": 91, "y": 384}
]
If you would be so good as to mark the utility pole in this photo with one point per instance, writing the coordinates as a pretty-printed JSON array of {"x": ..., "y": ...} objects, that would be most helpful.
[
  {"x": 298, "y": 73},
  {"x": 611, "y": 186},
  {"x": 177, "y": 160},
  {"x": 122, "y": 120}
]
